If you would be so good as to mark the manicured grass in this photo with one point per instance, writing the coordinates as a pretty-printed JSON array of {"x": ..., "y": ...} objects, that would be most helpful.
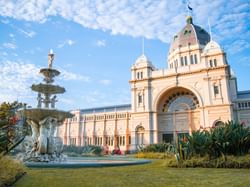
[{"x": 153, "y": 174}]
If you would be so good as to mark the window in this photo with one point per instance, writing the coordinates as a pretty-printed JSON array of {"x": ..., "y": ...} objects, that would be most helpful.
[
  {"x": 167, "y": 138},
  {"x": 129, "y": 140},
  {"x": 185, "y": 59},
  {"x": 139, "y": 98},
  {"x": 191, "y": 59},
  {"x": 140, "y": 75},
  {"x": 195, "y": 59},
  {"x": 89, "y": 141},
  {"x": 176, "y": 63},
  {"x": 109, "y": 140},
  {"x": 182, "y": 63},
  {"x": 120, "y": 140},
  {"x": 72, "y": 141},
  {"x": 216, "y": 89},
  {"x": 210, "y": 63},
  {"x": 215, "y": 63}
]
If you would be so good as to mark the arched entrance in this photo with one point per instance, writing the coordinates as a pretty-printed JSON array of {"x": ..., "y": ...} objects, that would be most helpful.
[{"x": 178, "y": 114}]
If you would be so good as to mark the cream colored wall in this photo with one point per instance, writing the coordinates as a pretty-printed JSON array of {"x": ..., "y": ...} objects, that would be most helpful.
[{"x": 96, "y": 125}]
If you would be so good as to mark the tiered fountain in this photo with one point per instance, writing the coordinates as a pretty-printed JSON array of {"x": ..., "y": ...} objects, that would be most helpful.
[
  {"x": 45, "y": 119},
  {"x": 43, "y": 148}
]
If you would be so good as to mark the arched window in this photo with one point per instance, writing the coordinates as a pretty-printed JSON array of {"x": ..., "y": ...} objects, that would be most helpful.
[
  {"x": 140, "y": 136},
  {"x": 180, "y": 101},
  {"x": 215, "y": 63}
]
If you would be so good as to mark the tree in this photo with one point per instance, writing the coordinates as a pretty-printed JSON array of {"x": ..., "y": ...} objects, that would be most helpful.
[{"x": 9, "y": 133}]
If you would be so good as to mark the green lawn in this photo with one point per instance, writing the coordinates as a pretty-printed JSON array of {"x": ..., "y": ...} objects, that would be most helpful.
[{"x": 153, "y": 174}]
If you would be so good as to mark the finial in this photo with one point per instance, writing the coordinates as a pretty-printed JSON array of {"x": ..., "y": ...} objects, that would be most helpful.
[
  {"x": 189, "y": 20},
  {"x": 210, "y": 32},
  {"x": 50, "y": 58}
]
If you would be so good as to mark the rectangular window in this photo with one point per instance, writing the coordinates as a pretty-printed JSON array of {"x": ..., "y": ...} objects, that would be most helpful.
[
  {"x": 123, "y": 140},
  {"x": 185, "y": 59},
  {"x": 139, "y": 98},
  {"x": 191, "y": 59},
  {"x": 129, "y": 140},
  {"x": 216, "y": 90},
  {"x": 167, "y": 138},
  {"x": 182, "y": 63},
  {"x": 195, "y": 59}
]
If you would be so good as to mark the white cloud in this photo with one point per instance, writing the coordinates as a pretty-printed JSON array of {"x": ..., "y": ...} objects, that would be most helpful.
[
  {"x": 9, "y": 45},
  {"x": 153, "y": 19},
  {"x": 66, "y": 42},
  {"x": 105, "y": 82},
  {"x": 16, "y": 79},
  {"x": 28, "y": 34},
  {"x": 69, "y": 76},
  {"x": 100, "y": 43}
]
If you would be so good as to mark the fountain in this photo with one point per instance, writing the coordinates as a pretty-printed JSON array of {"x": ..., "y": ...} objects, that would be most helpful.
[
  {"x": 43, "y": 148},
  {"x": 43, "y": 145}
]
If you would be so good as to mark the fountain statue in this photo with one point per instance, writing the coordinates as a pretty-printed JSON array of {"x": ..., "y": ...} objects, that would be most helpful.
[{"x": 43, "y": 145}]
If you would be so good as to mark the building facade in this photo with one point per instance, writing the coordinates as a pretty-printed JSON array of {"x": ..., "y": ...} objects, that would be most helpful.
[{"x": 197, "y": 90}]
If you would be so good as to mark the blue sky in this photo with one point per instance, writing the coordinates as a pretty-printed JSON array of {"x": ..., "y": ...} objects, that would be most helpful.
[{"x": 96, "y": 43}]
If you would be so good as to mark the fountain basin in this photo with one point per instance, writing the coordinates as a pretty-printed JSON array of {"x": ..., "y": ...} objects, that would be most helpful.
[
  {"x": 38, "y": 114},
  {"x": 80, "y": 162},
  {"x": 47, "y": 88}
]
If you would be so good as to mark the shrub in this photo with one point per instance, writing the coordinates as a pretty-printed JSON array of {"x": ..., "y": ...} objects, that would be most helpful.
[
  {"x": 10, "y": 170},
  {"x": 159, "y": 148},
  {"x": 206, "y": 162},
  {"x": 230, "y": 138},
  {"x": 72, "y": 150},
  {"x": 153, "y": 155}
]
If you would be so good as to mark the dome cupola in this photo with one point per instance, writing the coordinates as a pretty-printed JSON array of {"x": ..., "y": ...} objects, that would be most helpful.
[{"x": 190, "y": 35}]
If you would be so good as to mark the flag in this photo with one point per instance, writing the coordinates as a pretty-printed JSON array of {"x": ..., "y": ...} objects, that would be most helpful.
[{"x": 190, "y": 8}]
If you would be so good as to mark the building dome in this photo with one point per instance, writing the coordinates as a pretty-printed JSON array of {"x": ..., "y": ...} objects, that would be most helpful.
[
  {"x": 143, "y": 61},
  {"x": 190, "y": 35},
  {"x": 212, "y": 46}
]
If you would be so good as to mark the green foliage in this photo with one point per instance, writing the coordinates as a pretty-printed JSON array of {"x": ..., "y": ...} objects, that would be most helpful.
[
  {"x": 231, "y": 138},
  {"x": 10, "y": 133},
  {"x": 153, "y": 155},
  {"x": 10, "y": 170},
  {"x": 206, "y": 162},
  {"x": 72, "y": 150},
  {"x": 152, "y": 174},
  {"x": 7, "y": 112},
  {"x": 160, "y": 148}
]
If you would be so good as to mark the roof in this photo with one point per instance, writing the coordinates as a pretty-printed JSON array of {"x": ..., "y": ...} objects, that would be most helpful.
[
  {"x": 190, "y": 35},
  {"x": 125, "y": 107},
  {"x": 243, "y": 94},
  {"x": 143, "y": 61}
]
